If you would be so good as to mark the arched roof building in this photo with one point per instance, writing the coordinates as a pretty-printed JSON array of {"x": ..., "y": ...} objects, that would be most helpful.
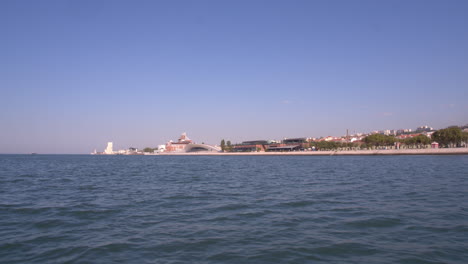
[{"x": 184, "y": 144}]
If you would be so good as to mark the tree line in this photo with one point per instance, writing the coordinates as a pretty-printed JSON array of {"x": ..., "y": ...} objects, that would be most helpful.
[
  {"x": 448, "y": 137},
  {"x": 451, "y": 137}
]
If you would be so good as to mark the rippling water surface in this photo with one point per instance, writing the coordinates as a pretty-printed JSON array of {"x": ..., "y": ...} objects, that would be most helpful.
[{"x": 224, "y": 209}]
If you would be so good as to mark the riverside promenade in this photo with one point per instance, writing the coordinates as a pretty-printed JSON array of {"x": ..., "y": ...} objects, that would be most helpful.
[{"x": 441, "y": 151}]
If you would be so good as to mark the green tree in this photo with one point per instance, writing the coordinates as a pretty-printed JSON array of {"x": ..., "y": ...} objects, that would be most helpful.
[
  {"x": 326, "y": 145},
  {"x": 465, "y": 138},
  {"x": 148, "y": 150},
  {"x": 449, "y": 137},
  {"x": 223, "y": 145},
  {"x": 419, "y": 141},
  {"x": 379, "y": 140},
  {"x": 228, "y": 145}
]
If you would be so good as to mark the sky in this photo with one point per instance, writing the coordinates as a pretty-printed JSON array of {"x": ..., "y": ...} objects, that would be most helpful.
[{"x": 77, "y": 74}]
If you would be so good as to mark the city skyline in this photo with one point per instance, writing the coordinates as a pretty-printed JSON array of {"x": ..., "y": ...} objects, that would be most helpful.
[
  {"x": 357, "y": 135},
  {"x": 77, "y": 74}
]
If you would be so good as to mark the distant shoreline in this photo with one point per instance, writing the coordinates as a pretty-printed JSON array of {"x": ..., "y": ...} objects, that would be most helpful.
[
  {"x": 443, "y": 151},
  {"x": 382, "y": 152}
]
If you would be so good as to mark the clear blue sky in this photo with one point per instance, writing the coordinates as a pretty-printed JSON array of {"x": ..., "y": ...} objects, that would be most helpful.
[{"x": 76, "y": 74}]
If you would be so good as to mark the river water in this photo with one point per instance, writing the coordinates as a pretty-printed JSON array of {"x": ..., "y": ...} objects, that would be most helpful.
[{"x": 233, "y": 209}]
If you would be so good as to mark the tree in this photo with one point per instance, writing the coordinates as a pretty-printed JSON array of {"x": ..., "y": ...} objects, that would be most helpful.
[
  {"x": 229, "y": 145},
  {"x": 419, "y": 140},
  {"x": 148, "y": 150},
  {"x": 223, "y": 145},
  {"x": 465, "y": 138},
  {"x": 450, "y": 136},
  {"x": 379, "y": 140},
  {"x": 326, "y": 145}
]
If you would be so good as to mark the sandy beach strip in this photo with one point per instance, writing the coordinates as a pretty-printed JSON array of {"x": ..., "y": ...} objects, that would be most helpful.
[{"x": 441, "y": 151}]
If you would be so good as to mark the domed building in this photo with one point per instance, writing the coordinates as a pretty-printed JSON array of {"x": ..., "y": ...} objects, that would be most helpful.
[{"x": 184, "y": 145}]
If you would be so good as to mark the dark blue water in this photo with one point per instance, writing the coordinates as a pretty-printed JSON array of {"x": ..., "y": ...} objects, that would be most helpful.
[{"x": 219, "y": 209}]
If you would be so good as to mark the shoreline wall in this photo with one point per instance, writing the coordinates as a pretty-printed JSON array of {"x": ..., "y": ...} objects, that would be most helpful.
[{"x": 442, "y": 151}]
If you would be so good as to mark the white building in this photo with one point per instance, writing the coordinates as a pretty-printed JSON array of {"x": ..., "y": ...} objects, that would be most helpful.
[
  {"x": 161, "y": 148},
  {"x": 109, "y": 149}
]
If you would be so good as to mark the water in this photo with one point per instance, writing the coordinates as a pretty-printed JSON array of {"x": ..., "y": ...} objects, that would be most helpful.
[{"x": 224, "y": 209}]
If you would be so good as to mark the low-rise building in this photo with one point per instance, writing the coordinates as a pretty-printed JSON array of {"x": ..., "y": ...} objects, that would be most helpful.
[
  {"x": 287, "y": 144},
  {"x": 248, "y": 148}
]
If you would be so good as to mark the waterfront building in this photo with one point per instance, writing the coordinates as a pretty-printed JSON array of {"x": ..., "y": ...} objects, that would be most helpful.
[
  {"x": 109, "y": 150},
  {"x": 180, "y": 145},
  {"x": 294, "y": 140},
  {"x": 283, "y": 147},
  {"x": 253, "y": 145},
  {"x": 161, "y": 148},
  {"x": 248, "y": 148},
  {"x": 185, "y": 144},
  {"x": 302, "y": 143},
  {"x": 133, "y": 151},
  {"x": 287, "y": 144}
]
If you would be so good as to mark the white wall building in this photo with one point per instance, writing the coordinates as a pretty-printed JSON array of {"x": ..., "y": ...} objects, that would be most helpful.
[
  {"x": 109, "y": 149},
  {"x": 161, "y": 148}
]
